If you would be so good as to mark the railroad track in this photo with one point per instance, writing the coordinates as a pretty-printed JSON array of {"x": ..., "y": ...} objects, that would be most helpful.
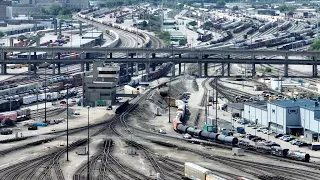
[{"x": 45, "y": 167}]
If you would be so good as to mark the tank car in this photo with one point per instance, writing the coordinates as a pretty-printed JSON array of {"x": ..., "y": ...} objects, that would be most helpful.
[{"x": 193, "y": 131}]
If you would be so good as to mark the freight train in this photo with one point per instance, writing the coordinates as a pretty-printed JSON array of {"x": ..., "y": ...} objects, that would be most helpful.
[
  {"x": 19, "y": 115},
  {"x": 267, "y": 26},
  {"x": 161, "y": 71},
  {"x": 286, "y": 25},
  {"x": 193, "y": 171},
  {"x": 241, "y": 28},
  {"x": 276, "y": 151},
  {"x": 228, "y": 140}
]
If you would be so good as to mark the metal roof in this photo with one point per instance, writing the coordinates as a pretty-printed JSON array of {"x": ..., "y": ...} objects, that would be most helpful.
[
  {"x": 311, "y": 107},
  {"x": 258, "y": 104},
  {"x": 238, "y": 106},
  {"x": 292, "y": 103}
]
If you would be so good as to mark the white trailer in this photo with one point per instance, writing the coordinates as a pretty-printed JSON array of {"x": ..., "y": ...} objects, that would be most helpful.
[
  {"x": 29, "y": 99},
  {"x": 129, "y": 90}
]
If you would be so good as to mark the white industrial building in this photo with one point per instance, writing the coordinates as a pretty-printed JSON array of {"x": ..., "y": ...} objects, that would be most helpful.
[
  {"x": 296, "y": 116},
  {"x": 256, "y": 112},
  {"x": 101, "y": 85}
]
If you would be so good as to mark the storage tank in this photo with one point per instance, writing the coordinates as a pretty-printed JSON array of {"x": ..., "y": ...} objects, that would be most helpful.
[{"x": 9, "y": 12}]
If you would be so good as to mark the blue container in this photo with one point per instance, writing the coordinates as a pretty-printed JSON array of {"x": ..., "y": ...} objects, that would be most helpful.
[
  {"x": 240, "y": 130},
  {"x": 40, "y": 124}
]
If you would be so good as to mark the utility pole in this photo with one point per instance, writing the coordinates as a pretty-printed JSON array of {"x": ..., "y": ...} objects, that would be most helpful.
[
  {"x": 45, "y": 94},
  {"x": 217, "y": 103},
  {"x": 169, "y": 97},
  {"x": 208, "y": 101}
]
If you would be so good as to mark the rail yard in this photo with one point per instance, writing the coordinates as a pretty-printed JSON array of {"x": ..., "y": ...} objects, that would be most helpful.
[{"x": 140, "y": 92}]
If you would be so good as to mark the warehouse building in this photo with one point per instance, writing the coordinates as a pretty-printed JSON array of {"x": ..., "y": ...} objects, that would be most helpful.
[
  {"x": 310, "y": 121},
  {"x": 297, "y": 116},
  {"x": 256, "y": 112},
  {"x": 101, "y": 85},
  {"x": 236, "y": 109}
]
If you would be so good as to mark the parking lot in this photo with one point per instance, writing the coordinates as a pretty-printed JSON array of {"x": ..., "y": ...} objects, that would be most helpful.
[{"x": 258, "y": 135}]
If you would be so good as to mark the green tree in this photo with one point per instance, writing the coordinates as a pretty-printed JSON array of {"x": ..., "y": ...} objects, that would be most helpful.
[
  {"x": 55, "y": 9},
  {"x": 43, "y": 11},
  {"x": 267, "y": 69},
  {"x": 315, "y": 45},
  {"x": 144, "y": 24},
  {"x": 2, "y": 34},
  {"x": 64, "y": 11},
  {"x": 235, "y": 8},
  {"x": 220, "y": 3}
]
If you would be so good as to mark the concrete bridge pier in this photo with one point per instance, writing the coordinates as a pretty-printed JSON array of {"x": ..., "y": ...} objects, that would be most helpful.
[
  {"x": 80, "y": 28},
  {"x": 54, "y": 68},
  {"x": 286, "y": 70},
  {"x": 205, "y": 69},
  {"x": 314, "y": 70},
  {"x": 147, "y": 70},
  {"x": 60, "y": 30},
  {"x": 35, "y": 68},
  {"x": 179, "y": 68},
  {"x": 59, "y": 68},
  {"x": 200, "y": 69},
  {"x": 111, "y": 55},
  {"x": 173, "y": 71},
  {"x": 127, "y": 69},
  {"x": 253, "y": 70},
  {"x": 29, "y": 68},
  {"x": 153, "y": 66},
  {"x": 228, "y": 69},
  {"x": 55, "y": 26},
  {"x": 222, "y": 69},
  {"x": 82, "y": 67},
  {"x": 87, "y": 66},
  {"x": 11, "y": 42},
  {"x": 3, "y": 68},
  {"x": 131, "y": 69},
  {"x": 137, "y": 69}
]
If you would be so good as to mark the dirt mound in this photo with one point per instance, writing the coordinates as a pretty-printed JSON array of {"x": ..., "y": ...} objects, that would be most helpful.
[{"x": 177, "y": 88}]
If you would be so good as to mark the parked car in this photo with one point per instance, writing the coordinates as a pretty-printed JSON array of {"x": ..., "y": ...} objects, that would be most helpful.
[
  {"x": 288, "y": 139},
  {"x": 109, "y": 108},
  {"x": 250, "y": 125},
  {"x": 302, "y": 144},
  {"x": 33, "y": 128},
  {"x": 284, "y": 136},
  {"x": 6, "y": 131},
  {"x": 265, "y": 131},
  {"x": 76, "y": 113}
]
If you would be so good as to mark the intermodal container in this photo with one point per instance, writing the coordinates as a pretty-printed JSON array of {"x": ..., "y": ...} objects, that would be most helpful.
[{"x": 40, "y": 124}]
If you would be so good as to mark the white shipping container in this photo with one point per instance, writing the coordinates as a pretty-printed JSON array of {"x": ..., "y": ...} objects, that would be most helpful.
[
  {"x": 193, "y": 171},
  {"x": 238, "y": 152},
  {"x": 214, "y": 177},
  {"x": 81, "y": 151},
  {"x": 129, "y": 90},
  {"x": 29, "y": 99}
]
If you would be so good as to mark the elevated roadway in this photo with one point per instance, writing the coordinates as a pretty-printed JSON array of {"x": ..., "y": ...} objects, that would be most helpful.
[{"x": 152, "y": 56}]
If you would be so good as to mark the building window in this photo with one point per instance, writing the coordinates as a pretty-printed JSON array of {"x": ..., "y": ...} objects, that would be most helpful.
[
  {"x": 273, "y": 111},
  {"x": 100, "y": 87},
  {"x": 108, "y": 72}
]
